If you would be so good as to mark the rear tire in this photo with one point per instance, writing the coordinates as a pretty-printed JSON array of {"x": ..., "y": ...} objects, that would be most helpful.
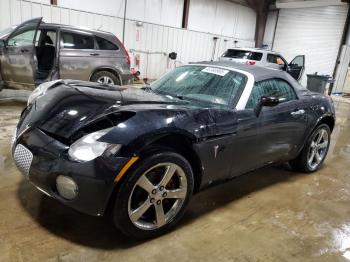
[
  {"x": 105, "y": 77},
  {"x": 314, "y": 152},
  {"x": 153, "y": 195}
]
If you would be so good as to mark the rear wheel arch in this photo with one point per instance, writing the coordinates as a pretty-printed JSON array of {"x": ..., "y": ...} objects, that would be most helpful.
[
  {"x": 107, "y": 69},
  {"x": 328, "y": 120}
]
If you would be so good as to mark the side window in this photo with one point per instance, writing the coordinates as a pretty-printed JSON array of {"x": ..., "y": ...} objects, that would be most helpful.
[
  {"x": 77, "y": 41},
  {"x": 298, "y": 61},
  {"x": 256, "y": 56},
  {"x": 50, "y": 38},
  {"x": 104, "y": 44},
  {"x": 275, "y": 59},
  {"x": 22, "y": 39},
  {"x": 273, "y": 87},
  {"x": 284, "y": 91}
]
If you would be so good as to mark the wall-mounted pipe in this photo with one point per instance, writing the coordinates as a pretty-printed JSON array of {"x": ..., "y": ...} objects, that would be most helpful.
[{"x": 124, "y": 20}]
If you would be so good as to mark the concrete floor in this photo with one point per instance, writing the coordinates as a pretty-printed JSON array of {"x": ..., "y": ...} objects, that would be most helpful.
[{"x": 269, "y": 215}]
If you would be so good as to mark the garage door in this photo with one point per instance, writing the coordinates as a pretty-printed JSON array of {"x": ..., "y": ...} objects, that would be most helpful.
[{"x": 314, "y": 32}]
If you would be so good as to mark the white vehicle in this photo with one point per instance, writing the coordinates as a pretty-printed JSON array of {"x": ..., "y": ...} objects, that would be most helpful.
[{"x": 265, "y": 58}]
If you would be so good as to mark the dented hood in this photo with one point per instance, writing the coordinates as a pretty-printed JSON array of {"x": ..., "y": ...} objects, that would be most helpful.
[{"x": 68, "y": 107}]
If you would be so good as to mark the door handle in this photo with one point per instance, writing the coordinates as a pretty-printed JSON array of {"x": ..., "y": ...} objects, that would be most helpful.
[
  {"x": 94, "y": 54},
  {"x": 298, "y": 112},
  {"x": 24, "y": 50}
]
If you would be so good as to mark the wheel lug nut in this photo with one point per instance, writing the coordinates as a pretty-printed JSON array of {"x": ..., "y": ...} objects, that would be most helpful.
[
  {"x": 154, "y": 191},
  {"x": 164, "y": 194},
  {"x": 152, "y": 200},
  {"x": 158, "y": 202},
  {"x": 161, "y": 188}
]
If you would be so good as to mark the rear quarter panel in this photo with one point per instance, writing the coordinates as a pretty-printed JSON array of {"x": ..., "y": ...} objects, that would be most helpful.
[{"x": 318, "y": 107}]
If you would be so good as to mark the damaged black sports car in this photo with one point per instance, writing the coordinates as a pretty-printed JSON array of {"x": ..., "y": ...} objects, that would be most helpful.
[{"x": 142, "y": 153}]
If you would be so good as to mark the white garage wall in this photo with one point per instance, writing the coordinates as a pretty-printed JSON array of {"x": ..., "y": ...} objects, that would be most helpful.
[
  {"x": 222, "y": 17},
  {"x": 314, "y": 32},
  {"x": 190, "y": 45},
  {"x": 164, "y": 12}
]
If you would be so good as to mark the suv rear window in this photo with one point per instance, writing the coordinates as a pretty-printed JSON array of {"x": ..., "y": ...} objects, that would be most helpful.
[
  {"x": 104, "y": 44},
  {"x": 77, "y": 41},
  {"x": 243, "y": 54}
]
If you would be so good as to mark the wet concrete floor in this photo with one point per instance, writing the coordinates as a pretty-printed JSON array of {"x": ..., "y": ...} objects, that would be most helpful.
[{"x": 272, "y": 214}]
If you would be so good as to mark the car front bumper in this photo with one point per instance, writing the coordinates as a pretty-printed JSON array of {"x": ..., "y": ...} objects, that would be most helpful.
[{"x": 42, "y": 158}]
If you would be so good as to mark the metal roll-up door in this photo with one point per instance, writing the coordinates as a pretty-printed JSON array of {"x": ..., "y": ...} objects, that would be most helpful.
[{"x": 314, "y": 32}]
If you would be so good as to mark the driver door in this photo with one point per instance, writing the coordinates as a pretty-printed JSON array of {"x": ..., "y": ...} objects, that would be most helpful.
[
  {"x": 282, "y": 127},
  {"x": 17, "y": 63},
  {"x": 296, "y": 67}
]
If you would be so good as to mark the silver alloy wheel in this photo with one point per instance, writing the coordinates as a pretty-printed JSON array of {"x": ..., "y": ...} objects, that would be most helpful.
[
  {"x": 318, "y": 148},
  {"x": 170, "y": 191},
  {"x": 105, "y": 80}
]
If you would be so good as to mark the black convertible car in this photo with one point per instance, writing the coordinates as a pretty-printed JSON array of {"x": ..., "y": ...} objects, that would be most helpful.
[{"x": 142, "y": 153}]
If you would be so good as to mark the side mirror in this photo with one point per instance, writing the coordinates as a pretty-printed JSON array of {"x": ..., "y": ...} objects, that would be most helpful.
[{"x": 265, "y": 101}]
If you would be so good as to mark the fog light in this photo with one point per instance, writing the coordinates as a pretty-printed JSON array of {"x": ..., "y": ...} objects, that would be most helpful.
[{"x": 66, "y": 187}]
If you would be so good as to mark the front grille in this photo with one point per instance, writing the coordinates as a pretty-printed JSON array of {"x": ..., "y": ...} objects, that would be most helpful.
[{"x": 23, "y": 159}]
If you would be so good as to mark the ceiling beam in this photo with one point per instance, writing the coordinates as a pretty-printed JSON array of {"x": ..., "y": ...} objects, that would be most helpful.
[
  {"x": 261, "y": 8},
  {"x": 185, "y": 13}
]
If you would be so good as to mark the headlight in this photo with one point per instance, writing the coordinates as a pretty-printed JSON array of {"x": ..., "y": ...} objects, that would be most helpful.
[
  {"x": 66, "y": 187},
  {"x": 40, "y": 91},
  {"x": 87, "y": 148}
]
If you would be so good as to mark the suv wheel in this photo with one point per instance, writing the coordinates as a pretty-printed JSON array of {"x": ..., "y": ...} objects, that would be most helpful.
[
  {"x": 105, "y": 77},
  {"x": 153, "y": 197}
]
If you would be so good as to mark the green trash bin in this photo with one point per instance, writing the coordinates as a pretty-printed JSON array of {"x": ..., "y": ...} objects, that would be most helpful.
[{"x": 317, "y": 83}]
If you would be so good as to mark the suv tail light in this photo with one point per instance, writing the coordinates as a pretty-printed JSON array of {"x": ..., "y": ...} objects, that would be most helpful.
[
  {"x": 126, "y": 52},
  {"x": 250, "y": 62},
  {"x": 127, "y": 58}
]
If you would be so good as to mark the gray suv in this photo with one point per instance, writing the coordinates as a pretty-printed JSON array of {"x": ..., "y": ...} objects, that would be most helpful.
[{"x": 36, "y": 52}]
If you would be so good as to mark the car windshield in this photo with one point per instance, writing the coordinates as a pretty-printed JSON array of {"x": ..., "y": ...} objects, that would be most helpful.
[
  {"x": 6, "y": 31},
  {"x": 205, "y": 83},
  {"x": 242, "y": 54}
]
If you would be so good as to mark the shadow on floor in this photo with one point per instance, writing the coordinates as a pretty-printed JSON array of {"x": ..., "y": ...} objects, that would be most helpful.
[{"x": 98, "y": 232}]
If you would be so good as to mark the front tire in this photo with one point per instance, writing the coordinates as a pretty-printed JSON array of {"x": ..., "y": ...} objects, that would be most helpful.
[
  {"x": 314, "y": 152},
  {"x": 153, "y": 195}
]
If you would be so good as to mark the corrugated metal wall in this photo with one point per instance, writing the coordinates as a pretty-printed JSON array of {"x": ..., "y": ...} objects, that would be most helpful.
[
  {"x": 222, "y": 17},
  {"x": 190, "y": 45}
]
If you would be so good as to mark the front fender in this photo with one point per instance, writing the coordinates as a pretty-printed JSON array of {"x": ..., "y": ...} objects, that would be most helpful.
[{"x": 145, "y": 127}]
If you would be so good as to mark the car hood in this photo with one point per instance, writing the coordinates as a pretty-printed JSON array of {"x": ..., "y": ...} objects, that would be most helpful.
[{"x": 70, "y": 110}]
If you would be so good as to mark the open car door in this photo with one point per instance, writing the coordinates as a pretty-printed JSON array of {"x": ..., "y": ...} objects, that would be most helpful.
[
  {"x": 296, "y": 67},
  {"x": 18, "y": 64}
]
